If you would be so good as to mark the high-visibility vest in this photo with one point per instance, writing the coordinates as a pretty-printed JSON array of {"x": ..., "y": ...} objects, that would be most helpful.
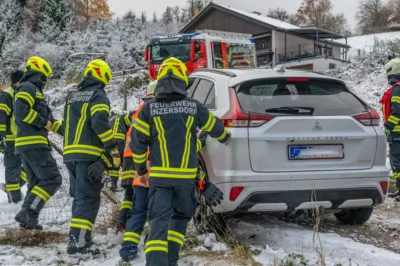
[
  {"x": 386, "y": 103},
  {"x": 127, "y": 150}
]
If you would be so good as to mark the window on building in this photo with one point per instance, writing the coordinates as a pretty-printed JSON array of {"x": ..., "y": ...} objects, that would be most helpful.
[{"x": 332, "y": 66}]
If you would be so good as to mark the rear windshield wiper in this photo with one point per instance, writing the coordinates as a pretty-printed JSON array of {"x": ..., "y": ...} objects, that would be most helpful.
[{"x": 291, "y": 110}]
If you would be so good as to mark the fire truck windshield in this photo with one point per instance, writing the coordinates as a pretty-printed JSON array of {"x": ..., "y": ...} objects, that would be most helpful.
[{"x": 160, "y": 52}]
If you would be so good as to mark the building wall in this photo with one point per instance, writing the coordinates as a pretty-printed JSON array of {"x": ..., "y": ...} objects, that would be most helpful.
[
  {"x": 218, "y": 20},
  {"x": 319, "y": 63}
]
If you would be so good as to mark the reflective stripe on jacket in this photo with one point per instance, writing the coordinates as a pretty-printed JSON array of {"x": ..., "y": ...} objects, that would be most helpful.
[
  {"x": 8, "y": 129},
  {"x": 127, "y": 150},
  {"x": 168, "y": 128},
  {"x": 86, "y": 119},
  {"x": 32, "y": 113}
]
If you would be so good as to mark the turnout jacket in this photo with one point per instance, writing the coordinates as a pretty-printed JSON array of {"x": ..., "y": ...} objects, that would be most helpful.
[
  {"x": 167, "y": 126},
  {"x": 8, "y": 129},
  {"x": 86, "y": 120},
  {"x": 393, "y": 123},
  {"x": 32, "y": 113},
  {"x": 120, "y": 125}
]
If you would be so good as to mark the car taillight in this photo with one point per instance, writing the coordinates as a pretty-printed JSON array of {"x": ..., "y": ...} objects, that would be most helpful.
[
  {"x": 235, "y": 117},
  {"x": 384, "y": 187},
  {"x": 297, "y": 79},
  {"x": 368, "y": 119},
  {"x": 235, "y": 193}
]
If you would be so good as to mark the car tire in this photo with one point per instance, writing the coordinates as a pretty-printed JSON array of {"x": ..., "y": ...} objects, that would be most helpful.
[{"x": 354, "y": 216}]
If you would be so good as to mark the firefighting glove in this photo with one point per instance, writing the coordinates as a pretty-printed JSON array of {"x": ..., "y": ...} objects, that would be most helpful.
[
  {"x": 96, "y": 171},
  {"x": 212, "y": 194},
  {"x": 116, "y": 157}
]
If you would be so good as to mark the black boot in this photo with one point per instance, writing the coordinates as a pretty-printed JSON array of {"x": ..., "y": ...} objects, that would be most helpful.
[
  {"x": 28, "y": 219},
  {"x": 88, "y": 249}
]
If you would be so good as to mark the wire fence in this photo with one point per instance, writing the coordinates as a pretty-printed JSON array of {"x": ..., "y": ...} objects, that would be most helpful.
[{"x": 57, "y": 212}]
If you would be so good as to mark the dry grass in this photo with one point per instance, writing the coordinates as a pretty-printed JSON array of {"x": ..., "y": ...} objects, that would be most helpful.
[
  {"x": 30, "y": 238},
  {"x": 109, "y": 219}
]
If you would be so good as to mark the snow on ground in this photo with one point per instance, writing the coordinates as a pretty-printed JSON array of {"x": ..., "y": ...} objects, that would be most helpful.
[
  {"x": 365, "y": 43},
  {"x": 278, "y": 240}
]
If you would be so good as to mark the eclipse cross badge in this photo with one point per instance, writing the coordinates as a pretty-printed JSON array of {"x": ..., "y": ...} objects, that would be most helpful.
[{"x": 317, "y": 126}]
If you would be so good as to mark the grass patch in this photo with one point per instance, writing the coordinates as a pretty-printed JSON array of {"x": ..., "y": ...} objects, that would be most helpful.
[
  {"x": 110, "y": 219},
  {"x": 30, "y": 238}
]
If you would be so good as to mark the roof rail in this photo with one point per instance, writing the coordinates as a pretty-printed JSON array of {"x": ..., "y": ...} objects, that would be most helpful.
[{"x": 216, "y": 71}]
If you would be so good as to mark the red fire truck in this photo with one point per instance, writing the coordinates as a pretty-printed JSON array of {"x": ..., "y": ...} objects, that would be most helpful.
[{"x": 203, "y": 49}]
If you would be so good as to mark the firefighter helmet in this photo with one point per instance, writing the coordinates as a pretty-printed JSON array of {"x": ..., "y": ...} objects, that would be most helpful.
[
  {"x": 173, "y": 68},
  {"x": 39, "y": 65},
  {"x": 116, "y": 111},
  {"x": 99, "y": 70},
  {"x": 151, "y": 88},
  {"x": 393, "y": 67}
]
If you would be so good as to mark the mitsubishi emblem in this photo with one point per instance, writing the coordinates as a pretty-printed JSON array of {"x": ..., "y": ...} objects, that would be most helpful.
[{"x": 317, "y": 126}]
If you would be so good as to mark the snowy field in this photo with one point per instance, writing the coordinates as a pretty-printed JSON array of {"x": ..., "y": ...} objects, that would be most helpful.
[
  {"x": 274, "y": 240},
  {"x": 365, "y": 43}
]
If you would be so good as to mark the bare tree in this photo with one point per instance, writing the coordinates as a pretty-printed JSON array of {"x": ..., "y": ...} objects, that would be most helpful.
[
  {"x": 278, "y": 13},
  {"x": 372, "y": 16},
  {"x": 176, "y": 12},
  {"x": 319, "y": 13},
  {"x": 155, "y": 17}
]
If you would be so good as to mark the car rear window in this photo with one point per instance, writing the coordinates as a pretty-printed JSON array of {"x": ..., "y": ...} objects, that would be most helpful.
[{"x": 327, "y": 97}]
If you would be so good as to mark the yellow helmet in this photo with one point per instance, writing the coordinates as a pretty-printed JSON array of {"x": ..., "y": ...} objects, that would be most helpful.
[
  {"x": 40, "y": 65},
  {"x": 173, "y": 67},
  {"x": 99, "y": 70}
]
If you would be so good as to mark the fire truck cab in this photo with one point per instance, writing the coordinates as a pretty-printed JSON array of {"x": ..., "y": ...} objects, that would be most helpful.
[{"x": 203, "y": 49}]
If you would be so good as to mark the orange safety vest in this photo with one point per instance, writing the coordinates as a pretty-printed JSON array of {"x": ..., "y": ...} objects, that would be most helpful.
[
  {"x": 386, "y": 103},
  {"x": 128, "y": 152}
]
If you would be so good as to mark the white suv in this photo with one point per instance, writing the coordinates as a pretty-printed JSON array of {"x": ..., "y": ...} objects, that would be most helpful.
[{"x": 292, "y": 131}]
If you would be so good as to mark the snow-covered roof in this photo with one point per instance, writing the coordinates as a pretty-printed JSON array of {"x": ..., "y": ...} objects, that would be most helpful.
[{"x": 268, "y": 20}]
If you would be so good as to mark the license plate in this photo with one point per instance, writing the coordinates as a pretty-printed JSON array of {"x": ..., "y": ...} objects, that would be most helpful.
[{"x": 313, "y": 152}]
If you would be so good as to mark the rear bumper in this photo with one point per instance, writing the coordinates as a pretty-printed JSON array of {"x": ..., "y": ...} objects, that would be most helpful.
[
  {"x": 287, "y": 196},
  {"x": 301, "y": 199}
]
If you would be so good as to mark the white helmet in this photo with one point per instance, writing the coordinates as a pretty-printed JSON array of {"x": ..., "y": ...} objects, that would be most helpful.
[
  {"x": 115, "y": 111},
  {"x": 151, "y": 88}
]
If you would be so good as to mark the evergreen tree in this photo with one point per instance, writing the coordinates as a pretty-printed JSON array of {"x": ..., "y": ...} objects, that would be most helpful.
[
  {"x": 143, "y": 17},
  {"x": 167, "y": 16},
  {"x": 54, "y": 21},
  {"x": 10, "y": 12}
]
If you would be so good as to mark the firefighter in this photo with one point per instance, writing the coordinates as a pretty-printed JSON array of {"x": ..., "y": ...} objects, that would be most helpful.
[
  {"x": 391, "y": 115},
  {"x": 88, "y": 144},
  {"x": 120, "y": 123},
  {"x": 14, "y": 174},
  {"x": 167, "y": 125},
  {"x": 128, "y": 171},
  {"x": 138, "y": 215},
  {"x": 34, "y": 120}
]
